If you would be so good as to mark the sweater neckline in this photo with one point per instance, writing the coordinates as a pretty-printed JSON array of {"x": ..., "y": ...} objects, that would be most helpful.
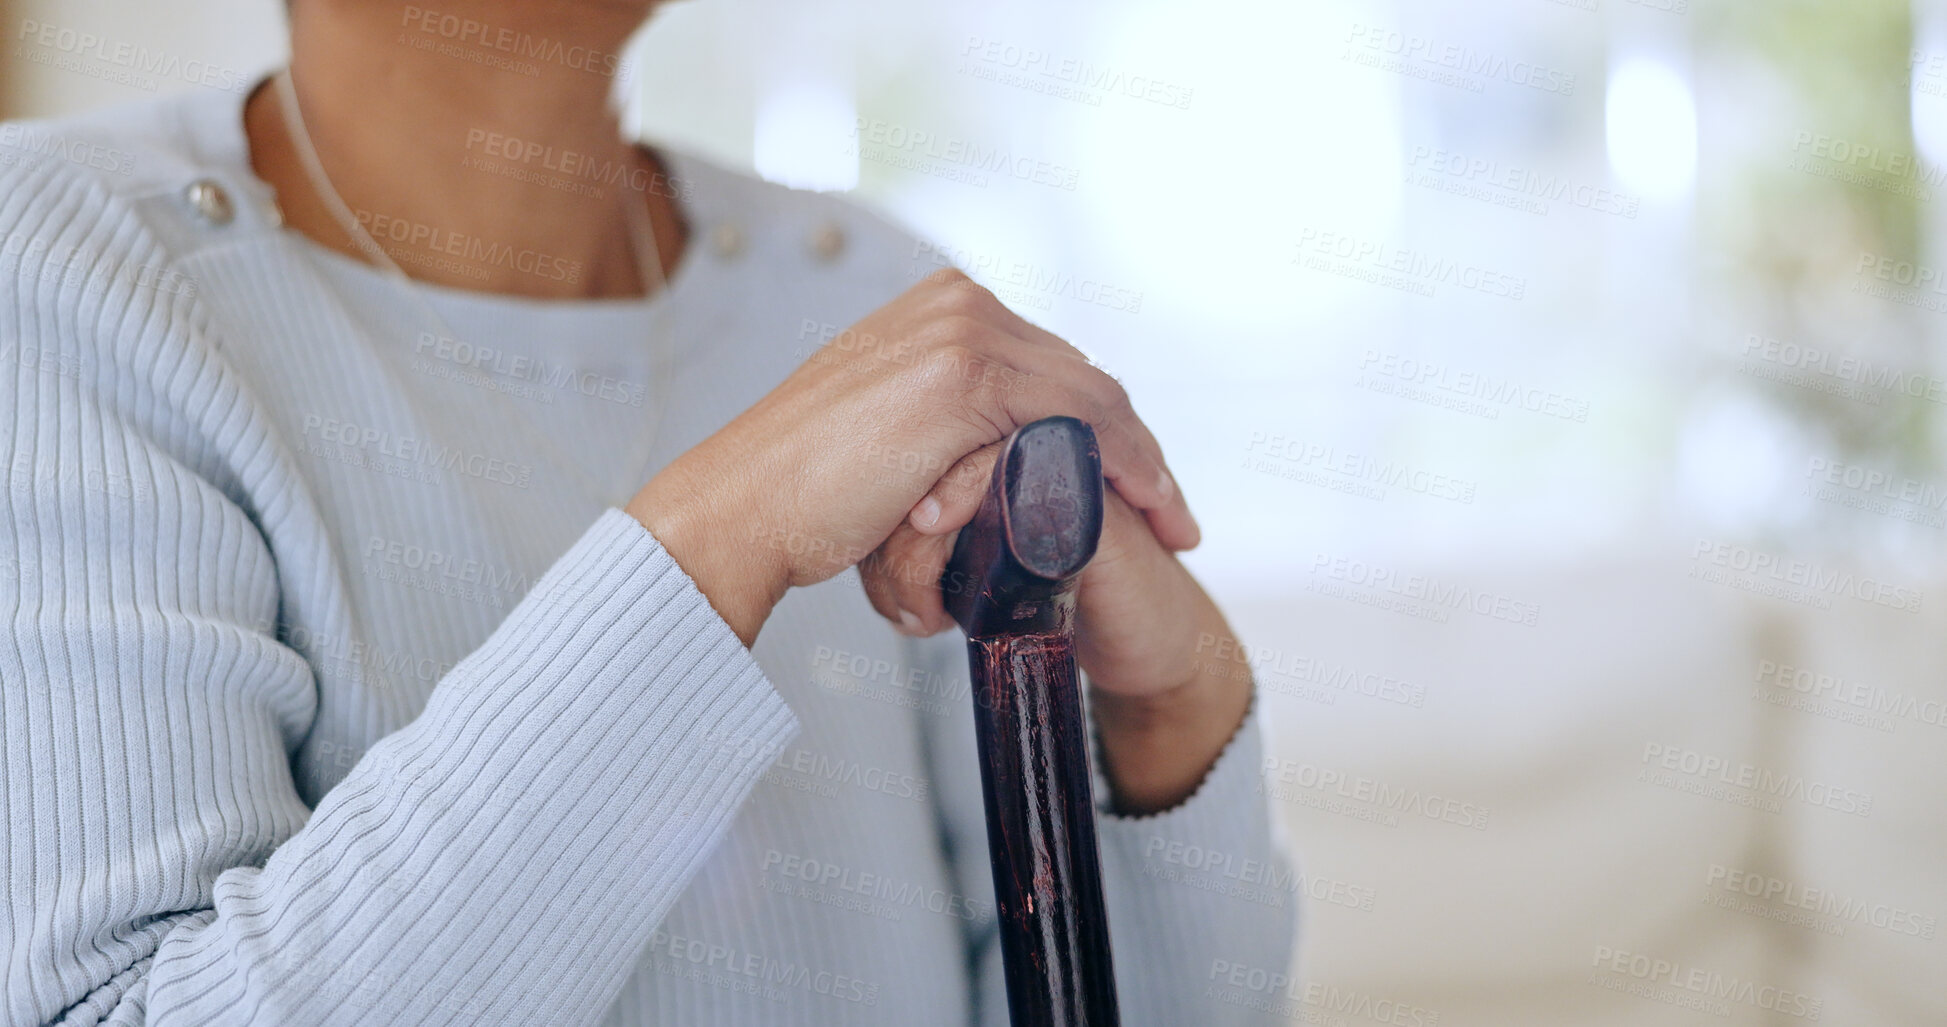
[{"x": 223, "y": 140}]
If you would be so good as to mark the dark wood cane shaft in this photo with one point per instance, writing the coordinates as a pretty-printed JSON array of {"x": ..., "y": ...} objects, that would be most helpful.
[{"x": 1011, "y": 586}]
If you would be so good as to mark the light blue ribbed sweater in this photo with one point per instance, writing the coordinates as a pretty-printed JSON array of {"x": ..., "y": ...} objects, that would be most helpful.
[{"x": 336, "y": 689}]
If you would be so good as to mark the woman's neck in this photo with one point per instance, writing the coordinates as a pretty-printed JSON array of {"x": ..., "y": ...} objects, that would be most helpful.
[{"x": 474, "y": 142}]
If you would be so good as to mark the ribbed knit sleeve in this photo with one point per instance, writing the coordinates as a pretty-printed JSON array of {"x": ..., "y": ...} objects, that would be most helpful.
[
  {"x": 501, "y": 858},
  {"x": 1199, "y": 892}
]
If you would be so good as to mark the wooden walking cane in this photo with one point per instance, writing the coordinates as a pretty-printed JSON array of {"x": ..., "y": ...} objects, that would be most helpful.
[{"x": 1011, "y": 586}]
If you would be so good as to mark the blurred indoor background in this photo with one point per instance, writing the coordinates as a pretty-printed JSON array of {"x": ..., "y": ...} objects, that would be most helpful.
[{"x": 1560, "y": 386}]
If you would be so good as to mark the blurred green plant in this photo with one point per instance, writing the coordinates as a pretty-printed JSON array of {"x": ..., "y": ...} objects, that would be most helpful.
[{"x": 1792, "y": 227}]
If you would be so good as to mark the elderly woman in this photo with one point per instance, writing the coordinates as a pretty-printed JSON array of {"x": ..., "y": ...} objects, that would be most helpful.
[{"x": 440, "y": 589}]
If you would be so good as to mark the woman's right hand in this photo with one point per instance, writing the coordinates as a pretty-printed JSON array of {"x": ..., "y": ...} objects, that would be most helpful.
[{"x": 815, "y": 476}]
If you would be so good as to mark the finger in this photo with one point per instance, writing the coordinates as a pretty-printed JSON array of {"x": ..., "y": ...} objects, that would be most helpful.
[
  {"x": 963, "y": 295},
  {"x": 985, "y": 359},
  {"x": 918, "y": 561},
  {"x": 1110, "y": 391},
  {"x": 969, "y": 344},
  {"x": 875, "y": 577},
  {"x": 1030, "y": 348},
  {"x": 902, "y": 580},
  {"x": 1130, "y": 467},
  {"x": 969, "y": 298},
  {"x": 957, "y": 496},
  {"x": 1010, "y": 351}
]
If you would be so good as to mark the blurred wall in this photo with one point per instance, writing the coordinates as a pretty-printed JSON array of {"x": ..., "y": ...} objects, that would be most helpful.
[{"x": 104, "y": 51}]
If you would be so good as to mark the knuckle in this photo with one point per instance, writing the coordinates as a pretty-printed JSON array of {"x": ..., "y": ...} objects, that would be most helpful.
[
  {"x": 1094, "y": 410},
  {"x": 975, "y": 412},
  {"x": 1113, "y": 396},
  {"x": 893, "y": 571},
  {"x": 963, "y": 331},
  {"x": 947, "y": 277},
  {"x": 970, "y": 475},
  {"x": 875, "y": 576},
  {"x": 948, "y": 368},
  {"x": 967, "y": 297}
]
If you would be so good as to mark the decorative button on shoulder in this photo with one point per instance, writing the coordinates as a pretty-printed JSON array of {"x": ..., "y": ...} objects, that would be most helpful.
[
  {"x": 828, "y": 242},
  {"x": 210, "y": 201},
  {"x": 727, "y": 239}
]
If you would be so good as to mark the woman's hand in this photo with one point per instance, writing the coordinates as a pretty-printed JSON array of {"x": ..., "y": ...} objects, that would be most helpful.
[
  {"x": 1168, "y": 690},
  {"x": 817, "y": 474}
]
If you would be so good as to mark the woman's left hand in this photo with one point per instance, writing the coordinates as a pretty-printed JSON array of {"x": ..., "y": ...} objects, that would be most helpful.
[{"x": 1168, "y": 690}]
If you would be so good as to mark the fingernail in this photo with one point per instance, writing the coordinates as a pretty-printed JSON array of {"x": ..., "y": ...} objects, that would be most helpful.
[
  {"x": 908, "y": 621},
  {"x": 1165, "y": 484},
  {"x": 927, "y": 513}
]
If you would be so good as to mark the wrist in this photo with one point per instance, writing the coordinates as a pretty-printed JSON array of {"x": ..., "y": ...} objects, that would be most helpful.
[
  {"x": 1159, "y": 746},
  {"x": 1197, "y": 716},
  {"x": 741, "y": 581},
  {"x": 1194, "y": 660}
]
